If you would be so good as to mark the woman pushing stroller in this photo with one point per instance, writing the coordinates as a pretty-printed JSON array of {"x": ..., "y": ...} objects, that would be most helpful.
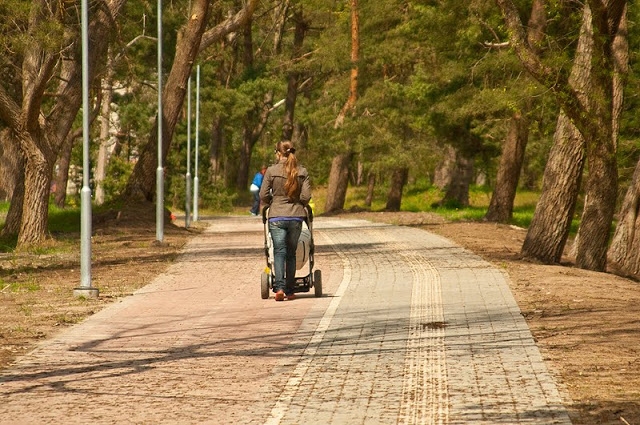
[{"x": 286, "y": 190}]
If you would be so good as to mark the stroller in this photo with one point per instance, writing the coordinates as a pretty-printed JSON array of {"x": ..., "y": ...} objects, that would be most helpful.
[{"x": 304, "y": 259}]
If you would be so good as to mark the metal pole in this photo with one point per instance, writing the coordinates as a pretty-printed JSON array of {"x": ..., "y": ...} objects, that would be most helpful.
[
  {"x": 187, "y": 208},
  {"x": 195, "y": 179},
  {"x": 85, "y": 289},
  {"x": 160, "y": 169}
]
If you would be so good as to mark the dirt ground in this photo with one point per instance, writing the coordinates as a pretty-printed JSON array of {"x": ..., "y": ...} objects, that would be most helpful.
[{"x": 586, "y": 324}]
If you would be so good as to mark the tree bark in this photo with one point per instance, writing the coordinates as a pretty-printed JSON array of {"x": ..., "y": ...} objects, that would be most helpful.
[
  {"x": 230, "y": 25},
  {"x": 338, "y": 182},
  {"x": 371, "y": 184},
  {"x": 339, "y": 174},
  {"x": 457, "y": 192},
  {"x": 501, "y": 205},
  {"x": 355, "y": 57},
  {"x": 549, "y": 228},
  {"x": 216, "y": 150},
  {"x": 13, "y": 174},
  {"x": 444, "y": 170},
  {"x": 398, "y": 181},
  {"x": 624, "y": 252},
  {"x": 61, "y": 177},
  {"x": 11, "y": 164},
  {"x": 602, "y": 180},
  {"x": 106, "y": 139}
]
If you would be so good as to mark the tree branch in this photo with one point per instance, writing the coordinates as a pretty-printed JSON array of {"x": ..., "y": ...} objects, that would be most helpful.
[
  {"x": 232, "y": 24},
  {"x": 9, "y": 110}
]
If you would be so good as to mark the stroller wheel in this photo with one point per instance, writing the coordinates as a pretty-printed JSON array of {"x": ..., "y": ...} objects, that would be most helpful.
[
  {"x": 317, "y": 283},
  {"x": 264, "y": 285}
]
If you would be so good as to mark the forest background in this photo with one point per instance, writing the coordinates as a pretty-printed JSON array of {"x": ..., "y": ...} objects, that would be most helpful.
[{"x": 528, "y": 94}]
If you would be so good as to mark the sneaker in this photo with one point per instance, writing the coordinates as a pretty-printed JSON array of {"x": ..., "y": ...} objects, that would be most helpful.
[
  {"x": 291, "y": 297},
  {"x": 280, "y": 296}
]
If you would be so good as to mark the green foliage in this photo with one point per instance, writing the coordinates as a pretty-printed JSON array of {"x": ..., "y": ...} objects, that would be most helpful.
[
  {"x": 215, "y": 197},
  {"x": 116, "y": 179}
]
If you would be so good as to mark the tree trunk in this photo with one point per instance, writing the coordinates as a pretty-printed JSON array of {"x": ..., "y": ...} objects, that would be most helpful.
[
  {"x": 603, "y": 156},
  {"x": 216, "y": 150},
  {"x": 61, "y": 177},
  {"x": 13, "y": 220},
  {"x": 398, "y": 181},
  {"x": 14, "y": 174},
  {"x": 445, "y": 169},
  {"x": 293, "y": 78},
  {"x": 339, "y": 174},
  {"x": 338, "y": 182},
  {"x": 457, "y": 192},
  {"x": 602, "y": 180},
  {"x": 501, "y": 205},
  {"x": 371, "y": 184},
  {"x": 11, "y": 165},
  {"x": 552, "y": 217},
  {"x": 106, "y": 139},
  {"x": 624, "y": 252},
  {"x": 37, "y": 178},
  {"x": 142, "y": 182},
  {"x": 355, "y": 57}
]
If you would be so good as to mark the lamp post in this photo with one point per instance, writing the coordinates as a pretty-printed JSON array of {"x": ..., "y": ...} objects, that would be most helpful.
[
  {"x": 85, "y": 289},
  {"x": 160, "y": 169},
  {"x": 195, "y": 179},
  {"x": 187, "y": 208}
]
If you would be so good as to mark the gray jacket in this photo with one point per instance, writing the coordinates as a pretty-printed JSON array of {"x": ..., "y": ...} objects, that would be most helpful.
[{"x": 272, "y": 192}]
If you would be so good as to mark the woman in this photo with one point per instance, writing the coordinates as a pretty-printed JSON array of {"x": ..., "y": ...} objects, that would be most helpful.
[{"x": 287, "y": 191}]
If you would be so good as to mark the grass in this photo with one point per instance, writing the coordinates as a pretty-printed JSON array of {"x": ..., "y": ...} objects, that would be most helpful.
[
  {"x": 63, "y": 225},
  {"x": 422, "y": 197}
]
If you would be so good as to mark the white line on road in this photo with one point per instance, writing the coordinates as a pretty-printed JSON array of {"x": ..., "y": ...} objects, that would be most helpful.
[{"x": 292, "y": 385}]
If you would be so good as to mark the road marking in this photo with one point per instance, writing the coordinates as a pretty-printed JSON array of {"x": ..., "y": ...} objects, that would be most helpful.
[
  {"x": 425, "y": 397},
  {"x": 291, "y": 387}
]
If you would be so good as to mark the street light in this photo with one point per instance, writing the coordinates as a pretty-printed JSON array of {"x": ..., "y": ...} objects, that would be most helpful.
[
  {"x": 160, "y": 170},
  {"x": 85, "y": 289},
  {"x": 187, "y": 208},
  {"x": 195, "y": 179}
]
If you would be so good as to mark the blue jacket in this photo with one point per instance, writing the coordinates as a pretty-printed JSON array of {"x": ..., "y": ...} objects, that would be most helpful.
[{"x": 257, "y": 179}]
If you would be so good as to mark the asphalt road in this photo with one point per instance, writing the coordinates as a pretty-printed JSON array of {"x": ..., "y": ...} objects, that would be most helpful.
[{"x": 411, "y": 329}]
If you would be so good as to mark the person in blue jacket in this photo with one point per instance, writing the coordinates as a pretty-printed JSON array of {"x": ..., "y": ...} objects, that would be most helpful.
[{"x": 255, "y": 190}]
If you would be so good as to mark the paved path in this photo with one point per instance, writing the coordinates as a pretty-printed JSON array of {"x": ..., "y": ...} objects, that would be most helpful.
[{"x": 412, "y": 330}]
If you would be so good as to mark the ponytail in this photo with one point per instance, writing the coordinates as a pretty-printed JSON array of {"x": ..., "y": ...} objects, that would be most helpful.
[{"x": 292, "y": 185}]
